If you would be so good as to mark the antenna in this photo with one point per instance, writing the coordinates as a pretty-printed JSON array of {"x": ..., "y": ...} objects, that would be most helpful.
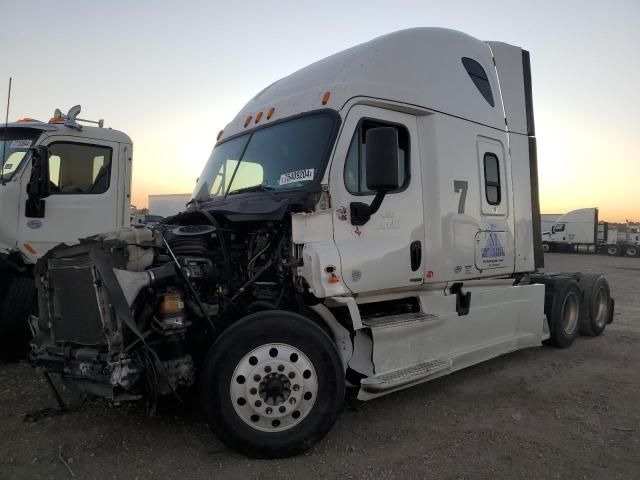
[{"x": 6, "y": 128}]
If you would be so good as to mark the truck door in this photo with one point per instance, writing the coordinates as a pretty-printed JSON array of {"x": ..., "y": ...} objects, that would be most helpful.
[
  {"x": 84, "y": 199},
  {"x": 386, "y": 252}
]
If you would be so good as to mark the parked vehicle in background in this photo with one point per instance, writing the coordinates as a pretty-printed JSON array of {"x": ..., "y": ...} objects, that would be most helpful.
[
  {"x": 580, "y": 231},
  {"x": 146, "y": 219},
  {"x": 60, "y": 181},
  {"x": 368, "y": 222}
]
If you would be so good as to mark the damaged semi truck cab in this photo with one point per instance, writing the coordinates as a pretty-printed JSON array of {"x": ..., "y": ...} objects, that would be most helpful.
[
  {"x": 370, "y": 222},
  {"x": 59, "y": 181}
]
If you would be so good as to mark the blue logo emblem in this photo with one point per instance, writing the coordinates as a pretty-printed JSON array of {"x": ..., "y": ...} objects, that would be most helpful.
[
  {"x": 34, "y": 224},
  {"x": 493, "y": 247}
]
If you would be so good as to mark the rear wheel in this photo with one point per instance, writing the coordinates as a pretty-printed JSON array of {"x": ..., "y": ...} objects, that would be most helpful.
[
  {"x": 613, "y": 250},
  {"x": 596, "y": 304},
  {"x": 546, "y": 247},
  {"x": 562, "y": 306},
  {"x": 631, "y": 251},
  {"x": 272, "y": 385},
  {"x": 17, "y": 305}
]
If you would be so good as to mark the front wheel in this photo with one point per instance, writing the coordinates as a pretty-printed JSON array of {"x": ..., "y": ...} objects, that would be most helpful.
[
  {"x": 16, "y": 305},
  {"x": 272, "y": 385}
]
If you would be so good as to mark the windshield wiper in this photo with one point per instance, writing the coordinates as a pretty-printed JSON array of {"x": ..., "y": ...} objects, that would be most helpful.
[{"x": 255, "y": 188}]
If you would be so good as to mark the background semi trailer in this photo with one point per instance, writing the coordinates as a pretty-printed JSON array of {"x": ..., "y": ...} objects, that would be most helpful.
[
  {"x": 80, "y": 186},
  {"x": 368, "y": 222},
  {"x": 580, "y": 231}
]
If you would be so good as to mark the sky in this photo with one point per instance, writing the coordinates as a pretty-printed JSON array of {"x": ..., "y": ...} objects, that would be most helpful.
[{"x": 171, "y": 74}]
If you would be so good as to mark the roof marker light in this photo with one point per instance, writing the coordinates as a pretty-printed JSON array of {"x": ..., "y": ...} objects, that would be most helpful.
[
  {"x": 247, "y": 121},
  {"x": 270, "y": 113},
  {"x": 56, "y": 120},
  {"x": 258, "y": 116},
  {"x": 27, "y": 119},
  {"x": 30, "y": 249},
  {"x": 219, "y": 135},
  {"x": 325, "y": 97}
]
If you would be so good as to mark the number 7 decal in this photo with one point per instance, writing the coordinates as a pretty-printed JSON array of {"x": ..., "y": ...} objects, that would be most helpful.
[{"x": 461, "y": 186}]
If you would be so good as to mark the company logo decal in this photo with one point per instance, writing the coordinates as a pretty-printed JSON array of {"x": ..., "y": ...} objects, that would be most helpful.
[
  {"x": 493, "y": 248},
  {"x": 34, "y": 224}
]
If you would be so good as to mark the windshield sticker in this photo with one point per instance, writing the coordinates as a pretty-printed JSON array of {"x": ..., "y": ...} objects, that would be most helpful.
[
  {"x": 20, "y": 144},
  {"x": 297, "y": 176}
]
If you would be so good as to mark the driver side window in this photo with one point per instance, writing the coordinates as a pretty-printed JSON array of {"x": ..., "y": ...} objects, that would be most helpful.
[{"x": 76, "y": 168}]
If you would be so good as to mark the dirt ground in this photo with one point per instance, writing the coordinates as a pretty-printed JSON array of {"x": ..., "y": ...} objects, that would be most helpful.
[{"x": 542, "y": 413}]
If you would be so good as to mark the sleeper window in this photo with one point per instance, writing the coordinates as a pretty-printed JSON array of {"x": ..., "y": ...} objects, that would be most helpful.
[
  {"x": 355, "y": 169},
  {"x": 492, "y": 179},
  {"x": 479, "y": 78},
  {"x": 76, "y": 168}
]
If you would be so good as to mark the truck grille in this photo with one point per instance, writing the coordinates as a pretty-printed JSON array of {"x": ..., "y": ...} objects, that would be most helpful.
[{"x": 74, "y": 305}]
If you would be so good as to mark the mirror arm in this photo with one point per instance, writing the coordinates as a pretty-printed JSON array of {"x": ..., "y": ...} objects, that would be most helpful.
[{"x": 361, "y": 212}]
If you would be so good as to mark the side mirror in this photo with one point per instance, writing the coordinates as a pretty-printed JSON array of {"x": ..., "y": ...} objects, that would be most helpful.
[
  {"x": 38, "y": 187},
  {"x": 553, "y": 229},
  {"x": 382, "y": 171},
  {"x": 382, "y": 159}
]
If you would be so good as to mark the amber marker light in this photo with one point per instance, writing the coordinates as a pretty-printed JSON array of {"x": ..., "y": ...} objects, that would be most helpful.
[
  {"x": 56, "y": 120},
  {"x": 247, "y": 121},
  {"x": 325, "y": 97},
  {"x": 220, "y": 134},
  {"x": 270, "y": 113},
  {"x": 258, "y": 116},
  {"x": 26, "y": 120},
  {"x": 30, "y": 249}
]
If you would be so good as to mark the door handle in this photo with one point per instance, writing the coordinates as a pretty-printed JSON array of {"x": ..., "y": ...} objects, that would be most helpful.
[{"x": 415, "y": 250}]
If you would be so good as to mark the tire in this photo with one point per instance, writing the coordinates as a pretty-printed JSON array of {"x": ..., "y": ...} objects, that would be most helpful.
[
  {"x": 17, "y": 305},
  {"x": 613, "y": 250},
  {"x": 631, "y": 251},
  {"x": 596, "y": 304},
  {"x": 546, "y": 247},
  {"x": 253, "y": 368},
  {"x": 562, "y": 306}
]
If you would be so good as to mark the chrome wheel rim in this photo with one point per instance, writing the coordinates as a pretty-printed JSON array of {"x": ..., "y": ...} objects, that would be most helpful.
[
  {"x": 570, "y": 313},
  {"x": 274, "y": 387},
  {"x": 602, "y": 307}
]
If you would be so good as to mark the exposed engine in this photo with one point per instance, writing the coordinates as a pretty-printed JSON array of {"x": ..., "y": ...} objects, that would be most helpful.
[{"x": 131, "y": 314}]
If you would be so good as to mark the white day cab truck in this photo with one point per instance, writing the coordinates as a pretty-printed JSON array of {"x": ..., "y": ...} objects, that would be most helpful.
[
  {"x": 84, "y": 189},
  {"x": 579, "y": 231},
  {"x": 369, "y": 222}
]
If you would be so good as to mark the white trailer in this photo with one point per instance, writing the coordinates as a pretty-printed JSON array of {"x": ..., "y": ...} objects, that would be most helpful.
[
  {"x": 168, "y": 204},
  {"x": 59, "y": 181},
  {"x": 368, "y": 222},
  {"x": 580, "y": 231}
]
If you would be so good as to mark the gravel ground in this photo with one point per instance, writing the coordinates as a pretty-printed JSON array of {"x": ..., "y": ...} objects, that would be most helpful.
[{"x": 541, "y": 413}]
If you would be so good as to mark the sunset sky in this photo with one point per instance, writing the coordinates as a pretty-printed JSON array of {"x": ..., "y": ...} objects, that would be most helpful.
[{"x": 172, "y": 74}]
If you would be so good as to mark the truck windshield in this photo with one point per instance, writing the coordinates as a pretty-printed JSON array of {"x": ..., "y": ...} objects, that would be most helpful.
[
  {"x": 14, "y": 149},
  {"x": 287, "y": 155}
]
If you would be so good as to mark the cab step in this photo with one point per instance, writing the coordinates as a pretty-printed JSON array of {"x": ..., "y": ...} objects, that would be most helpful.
[
  {"x": 396, "y": 320},
  {"x": 404, "y": 376}
]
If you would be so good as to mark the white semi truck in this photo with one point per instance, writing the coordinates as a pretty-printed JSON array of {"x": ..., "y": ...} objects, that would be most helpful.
[
  {"x": 87, "y": 190},
  {"x": 580, "y": 231},
  {"x": 368, "y": 222}
]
